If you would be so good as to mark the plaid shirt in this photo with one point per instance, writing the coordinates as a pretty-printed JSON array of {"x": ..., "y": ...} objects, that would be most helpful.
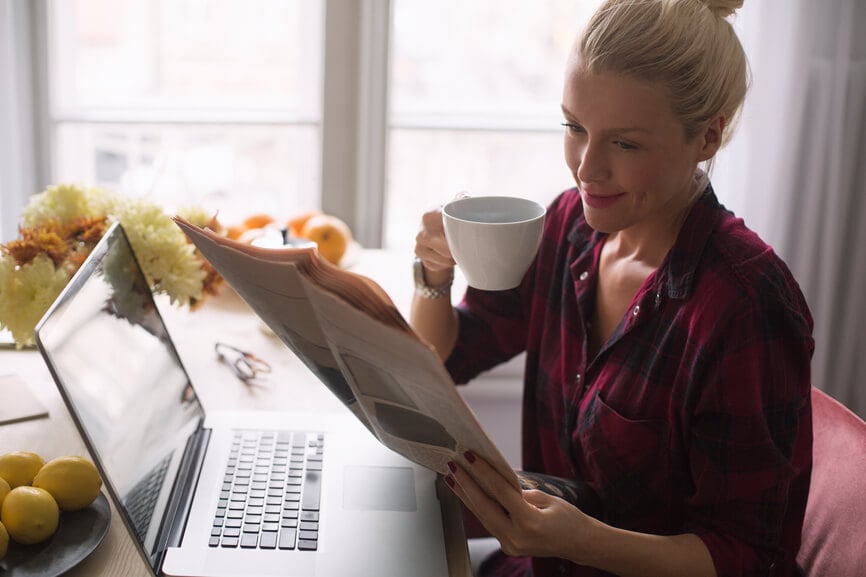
[{"x": 694, "y": 417}]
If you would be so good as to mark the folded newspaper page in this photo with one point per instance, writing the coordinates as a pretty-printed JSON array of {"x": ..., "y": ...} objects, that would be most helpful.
[{"x": 348, "y": 332}]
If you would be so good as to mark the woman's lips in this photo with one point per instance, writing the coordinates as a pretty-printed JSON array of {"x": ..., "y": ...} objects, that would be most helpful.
[{"x": 601, "y": 201}]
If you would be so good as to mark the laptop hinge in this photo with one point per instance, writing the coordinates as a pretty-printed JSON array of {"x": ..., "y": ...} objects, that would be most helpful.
[{"x": 180, "y": 501}]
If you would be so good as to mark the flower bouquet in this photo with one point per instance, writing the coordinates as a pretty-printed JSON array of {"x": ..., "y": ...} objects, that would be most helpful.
[{"x": 60, "y": 227}]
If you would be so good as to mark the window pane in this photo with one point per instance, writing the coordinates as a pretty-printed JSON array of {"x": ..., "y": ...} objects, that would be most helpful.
[
  {"x": 428, "y": 167},
  {"x": 200, "y": 54},
  {"x": 482, "y": 57},
  {"x": 236, "y": 170},
  {"x": 475, "y": 103},
  {"x": 208, "y": 102}
]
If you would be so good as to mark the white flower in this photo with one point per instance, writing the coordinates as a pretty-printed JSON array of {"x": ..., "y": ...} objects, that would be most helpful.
[
  {"x": 65, "y": 202},
  {"x": 168, "y": 260}
]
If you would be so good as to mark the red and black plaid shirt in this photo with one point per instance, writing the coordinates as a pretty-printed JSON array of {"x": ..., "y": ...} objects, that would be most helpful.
[{"x": 694, "y": 417}]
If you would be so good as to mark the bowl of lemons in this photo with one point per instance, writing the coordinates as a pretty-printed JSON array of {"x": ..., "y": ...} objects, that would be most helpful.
[{"x": 52, "y": 514}]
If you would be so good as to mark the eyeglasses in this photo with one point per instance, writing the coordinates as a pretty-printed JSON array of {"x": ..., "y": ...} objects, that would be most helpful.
[{"x": 246, "y": 366}]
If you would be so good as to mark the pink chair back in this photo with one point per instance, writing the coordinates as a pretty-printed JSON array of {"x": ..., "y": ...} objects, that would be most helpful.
[{"x": 834, "y": 529}]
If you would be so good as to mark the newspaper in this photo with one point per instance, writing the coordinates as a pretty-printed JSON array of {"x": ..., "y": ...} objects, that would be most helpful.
[{"x": 346, "y": 329}]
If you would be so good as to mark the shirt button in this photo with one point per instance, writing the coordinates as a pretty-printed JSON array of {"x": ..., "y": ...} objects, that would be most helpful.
[
  {"x": 635, "y": 310},
  {"x": 583, "y": 275},
  {"x": 577, "y": 378}
]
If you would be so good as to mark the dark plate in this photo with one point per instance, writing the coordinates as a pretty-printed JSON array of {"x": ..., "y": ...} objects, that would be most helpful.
[{"x": 77, "y": 535}]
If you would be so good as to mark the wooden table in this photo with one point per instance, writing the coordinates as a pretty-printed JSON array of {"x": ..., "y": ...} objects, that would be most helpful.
[{"x": 224, "y": 318}]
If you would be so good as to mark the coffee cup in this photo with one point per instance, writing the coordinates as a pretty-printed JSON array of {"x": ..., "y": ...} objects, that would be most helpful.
[{"x": 493, "y": 239}]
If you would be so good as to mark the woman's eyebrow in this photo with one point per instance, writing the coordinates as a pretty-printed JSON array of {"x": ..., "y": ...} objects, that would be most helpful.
[{"x": 617, "y": 130}]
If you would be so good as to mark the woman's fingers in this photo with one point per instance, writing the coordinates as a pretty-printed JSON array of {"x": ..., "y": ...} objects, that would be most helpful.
[{"x": 431, "y": 246}]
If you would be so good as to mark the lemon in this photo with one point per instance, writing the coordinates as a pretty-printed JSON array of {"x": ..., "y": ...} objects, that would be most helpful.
[
  {"x": 20, "y": 467},
  {"x": 74, "y": 482},
  {"x": 30, "y": 515},
  {"x": 4, "y": 490},
  {"x": 4, "y": 541}
]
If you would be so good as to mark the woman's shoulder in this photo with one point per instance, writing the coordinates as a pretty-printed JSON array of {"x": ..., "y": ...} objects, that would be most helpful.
[{"x": 752, "y": 267}]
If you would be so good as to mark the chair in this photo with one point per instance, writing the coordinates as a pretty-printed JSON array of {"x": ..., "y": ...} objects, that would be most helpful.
[{"x": 834, "y": 529}]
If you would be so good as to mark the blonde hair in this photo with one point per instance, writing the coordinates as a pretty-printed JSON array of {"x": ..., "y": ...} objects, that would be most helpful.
[{"x": 687, "y": 47}]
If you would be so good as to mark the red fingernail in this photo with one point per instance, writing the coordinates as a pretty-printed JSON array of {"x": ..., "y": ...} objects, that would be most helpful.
[
  {"x": 452, "y": 466},
  {"x": 450, "y": 480},
  {"x": 470, "y": 456}
]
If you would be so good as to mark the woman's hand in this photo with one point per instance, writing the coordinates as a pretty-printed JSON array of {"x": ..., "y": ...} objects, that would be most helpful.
[
  {"x": 530, "y": 523},
  {"x": 431, "y": 246},
  {"x": 533, "y": 523}
]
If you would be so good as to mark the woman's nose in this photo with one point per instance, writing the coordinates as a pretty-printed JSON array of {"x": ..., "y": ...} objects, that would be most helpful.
[{"x": 593, "y": 164}]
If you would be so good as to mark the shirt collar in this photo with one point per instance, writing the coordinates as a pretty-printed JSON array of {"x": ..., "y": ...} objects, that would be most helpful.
[{"x": 677, "y": 273}]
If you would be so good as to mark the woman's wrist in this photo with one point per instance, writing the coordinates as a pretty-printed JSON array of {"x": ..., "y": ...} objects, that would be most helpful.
[{"x": 432, "y": 284}]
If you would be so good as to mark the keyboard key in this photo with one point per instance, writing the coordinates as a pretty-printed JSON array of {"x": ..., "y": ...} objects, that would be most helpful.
[
  {"x": 287, "y": 539},
  {"x": 229, "y": 542},
  {"x": 249, "y": 540},
  {"x": 312, "y": 491},
  {"x": 268, "y": 541},
  {"x": 307, "y": 545}
]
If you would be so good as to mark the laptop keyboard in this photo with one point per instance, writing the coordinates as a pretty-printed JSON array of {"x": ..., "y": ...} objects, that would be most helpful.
[
  {"x": 271, "y": 492},
  {"x": 142, "y": 498}
]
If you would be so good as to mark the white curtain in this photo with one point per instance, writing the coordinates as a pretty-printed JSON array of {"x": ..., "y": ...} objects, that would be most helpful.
[{"x": 796, "y": 171}]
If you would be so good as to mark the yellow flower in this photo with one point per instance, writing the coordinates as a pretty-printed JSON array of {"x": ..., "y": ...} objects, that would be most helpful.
[
  {"x": 26, "y": 292},
  {"x": 63, "y": 224}
]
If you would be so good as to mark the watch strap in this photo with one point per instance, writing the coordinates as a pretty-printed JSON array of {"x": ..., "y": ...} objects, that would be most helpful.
[{"x": 425, "y": 290}]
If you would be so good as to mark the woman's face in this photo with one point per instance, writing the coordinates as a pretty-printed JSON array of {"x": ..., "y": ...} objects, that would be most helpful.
[{"x": 627, "y": 152}]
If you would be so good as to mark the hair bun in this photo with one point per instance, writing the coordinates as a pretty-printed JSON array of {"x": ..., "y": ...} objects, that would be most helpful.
[{"x": 723, "y": 8}]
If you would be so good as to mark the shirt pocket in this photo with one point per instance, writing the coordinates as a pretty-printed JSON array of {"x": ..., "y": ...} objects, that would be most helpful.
[{"x": 628, "y": 460}]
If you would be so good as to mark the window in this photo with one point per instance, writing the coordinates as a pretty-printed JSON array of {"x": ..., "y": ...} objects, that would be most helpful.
[
  {"x": 212, "y": 102},
  {"x": 221, "y": 103}
]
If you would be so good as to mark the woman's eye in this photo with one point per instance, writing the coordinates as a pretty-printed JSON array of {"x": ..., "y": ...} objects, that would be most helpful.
[
  {"x": 573, "y": 128},
  {"x": 625, "y": 145}
]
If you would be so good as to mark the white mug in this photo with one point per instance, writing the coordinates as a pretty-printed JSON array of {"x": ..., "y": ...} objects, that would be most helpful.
[{"x": 493, "y": 239}]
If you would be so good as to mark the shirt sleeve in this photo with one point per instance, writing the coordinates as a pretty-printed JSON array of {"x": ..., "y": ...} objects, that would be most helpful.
[
  {"x": 492, "y": 330},
  {"x": 750, "y": 436}
]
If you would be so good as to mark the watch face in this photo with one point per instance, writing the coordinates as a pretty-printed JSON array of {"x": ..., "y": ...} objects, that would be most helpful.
[{"x": 418, "y": 268}]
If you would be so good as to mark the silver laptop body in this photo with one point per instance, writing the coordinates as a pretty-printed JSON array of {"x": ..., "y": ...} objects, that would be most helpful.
[{"x": 227, "y": 493}]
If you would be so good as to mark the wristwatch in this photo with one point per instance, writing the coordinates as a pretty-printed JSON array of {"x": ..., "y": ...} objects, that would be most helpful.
[{"x": 425, "y": 290}]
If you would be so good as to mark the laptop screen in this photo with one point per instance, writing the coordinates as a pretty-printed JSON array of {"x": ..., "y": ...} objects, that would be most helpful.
[{"x": 108, "y": 349}]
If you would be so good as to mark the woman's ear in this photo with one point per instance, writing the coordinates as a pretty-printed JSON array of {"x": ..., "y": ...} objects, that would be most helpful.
[{"x": 710, "y": 140}]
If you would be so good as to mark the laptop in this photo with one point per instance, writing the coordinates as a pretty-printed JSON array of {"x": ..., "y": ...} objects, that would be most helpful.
[{"x": 229, "y": 493}]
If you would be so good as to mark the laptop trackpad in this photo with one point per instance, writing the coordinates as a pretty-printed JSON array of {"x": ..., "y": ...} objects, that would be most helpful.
[{"x": 379, "y": 488}]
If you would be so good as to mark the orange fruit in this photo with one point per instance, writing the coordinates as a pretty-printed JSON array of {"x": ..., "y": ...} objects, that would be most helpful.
[
  {"x": 331, "y": 235},
  {"x": 296, "y": 224},
  {"x": 257, "y": 221},
  {"x": 234, "y": 232}
]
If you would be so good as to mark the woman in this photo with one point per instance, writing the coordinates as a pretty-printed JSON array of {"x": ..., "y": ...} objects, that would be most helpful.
[{"x": 668, "y": 348}]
